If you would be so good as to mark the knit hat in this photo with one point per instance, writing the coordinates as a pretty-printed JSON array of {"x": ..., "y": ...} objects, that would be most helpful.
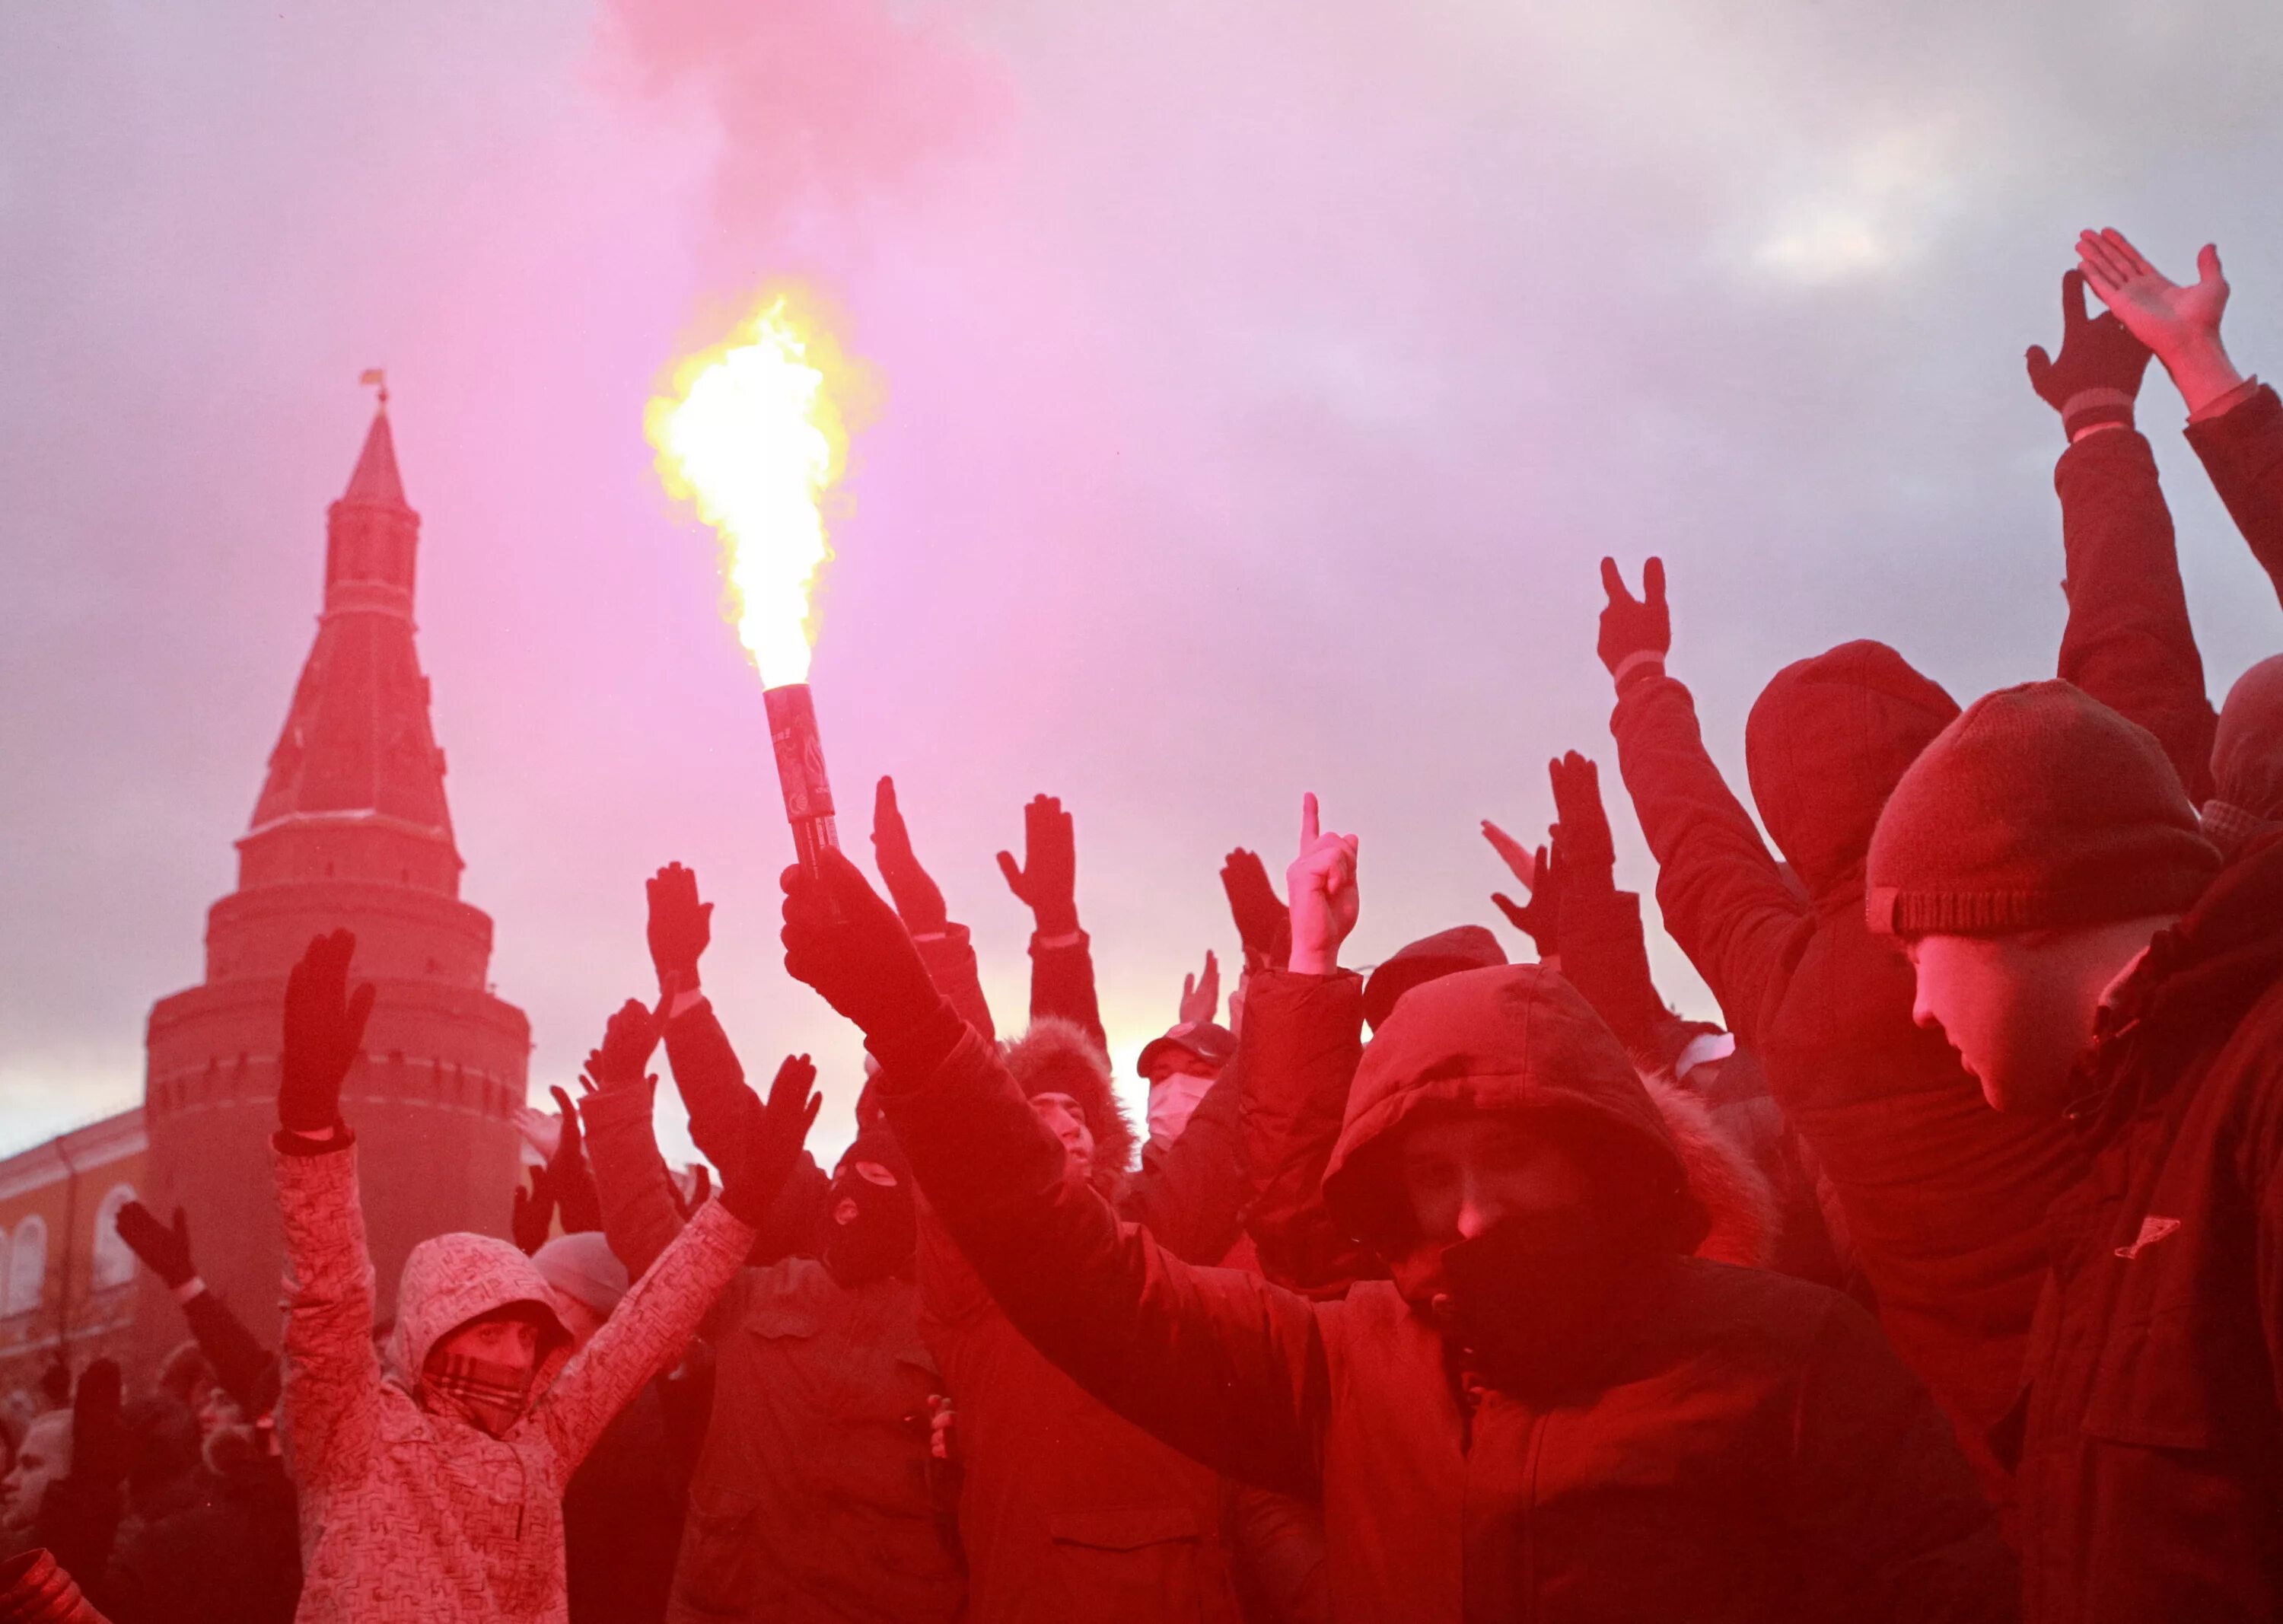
[
  {"x": 2039, "y": 807},
  {"x": 1462, "y": 947},
  {"x": 583, "y": 1267},
  {"x": 2247, "y": 760}
]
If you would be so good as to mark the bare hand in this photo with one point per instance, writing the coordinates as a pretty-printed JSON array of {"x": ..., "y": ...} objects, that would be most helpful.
[
  {"x": 1321, "y": 882},
  {"x": 1201, "y": 994},
  {"x": 2181, "y": 323}
]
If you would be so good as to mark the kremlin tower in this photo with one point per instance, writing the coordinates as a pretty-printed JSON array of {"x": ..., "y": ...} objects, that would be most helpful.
[{"x": 352, "y": 830}]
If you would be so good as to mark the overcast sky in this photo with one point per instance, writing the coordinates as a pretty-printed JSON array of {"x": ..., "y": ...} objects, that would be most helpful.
[{"x": 1262, "y": 384}]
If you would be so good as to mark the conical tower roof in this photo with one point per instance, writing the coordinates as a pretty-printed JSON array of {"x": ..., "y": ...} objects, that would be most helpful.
[{"x": 356, "y": 748}]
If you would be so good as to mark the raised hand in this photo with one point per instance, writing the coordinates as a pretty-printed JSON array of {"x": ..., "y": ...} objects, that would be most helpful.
[
  {"x": 542, "y": 1130},
  {"x": 1047, "y": 880},
  {"x": 1584, "y": 852},
  {"x": 533, "y": 1213},
  {"x": 1321, "y": 882},
  {"x": 629, "y": 1038},
  {"x": 165, "y": 1252},
  {"x": 324, "y": 1029},
  {"x": 1201, "y": 994},
  {"x": 1635, "y": 631},
  {"x": 102, "y": 1446},
  {"x": 757, "y": 1162},
  {"x": 1541, "y": 918},
  {"x": 680, "y": 928},
  {"x": 2097, "y": 375},
  {"x": 2181, "y": 323},
  {"x": 842, "y": 940},
  {"x": 1264, "y": 926},
  {"x": 915, "y": 895}
]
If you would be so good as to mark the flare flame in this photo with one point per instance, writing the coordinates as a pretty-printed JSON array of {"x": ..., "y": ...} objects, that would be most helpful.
[{"x": 753, "y": 434}]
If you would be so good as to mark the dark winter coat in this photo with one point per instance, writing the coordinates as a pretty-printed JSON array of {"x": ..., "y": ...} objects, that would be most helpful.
[
  {"x": 1761, "y": 1455},
  {"x": 220, "y": 1549},
  {"x": 622, "y": 1519},
  {"x": 2151, "y": 1465},
  {"x": 2242, "y": 451},
  {"x": 811, "y": 1496}
]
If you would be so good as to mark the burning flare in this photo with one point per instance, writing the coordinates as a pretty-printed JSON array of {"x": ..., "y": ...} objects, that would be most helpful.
[{"x": 753, "y": 435}]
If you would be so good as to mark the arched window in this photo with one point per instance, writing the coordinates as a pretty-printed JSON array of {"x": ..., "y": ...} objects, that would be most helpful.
[
  {"x": 28, "y": 1265},
  {"x": 114, "y": 1264}
]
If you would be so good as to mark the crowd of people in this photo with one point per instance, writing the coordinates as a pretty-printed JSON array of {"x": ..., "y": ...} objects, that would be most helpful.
[{"x": 1943, "y": 1280}]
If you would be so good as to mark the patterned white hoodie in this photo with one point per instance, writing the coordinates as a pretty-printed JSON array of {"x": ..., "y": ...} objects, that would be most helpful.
[{"x": 412, "y": 1516}]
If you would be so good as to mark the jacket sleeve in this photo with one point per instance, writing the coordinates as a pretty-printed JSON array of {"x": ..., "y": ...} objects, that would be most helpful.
[
  {"x": 1891, "y": 1522},
  {"x": 2242, "y": 451},
  {"x": 1220, "y": 1365},
  {"x": 640, "y": 1219},
  {"x": 1605, "y": 957},
  {"x": 246, "y": 1371},
  {"x": 2128, "y": 642},
  {"x": 712, "y": 1083},
  {"x": 329, "y": 1402},
  {"x": 949, "y": 955},
  {"x": 644, "y": 1334},
  {"x": 1722, "y": 894},
  {"x": 1191, "y": 1194},
  {"x": 1303, "y": 1038},
  {"x": 1062, "y": 983}
]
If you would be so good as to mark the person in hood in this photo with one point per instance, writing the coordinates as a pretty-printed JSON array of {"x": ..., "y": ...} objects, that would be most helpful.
[
  {"x": 2247, "y": 799},
  {"x": 434, "y": 1492},
  {"x": 2073, "y": 934},
  {"x": 812, "y": 1497},
  {"x": 1943, "y": 1201},
  {"x": 1551, "y": 1412}
]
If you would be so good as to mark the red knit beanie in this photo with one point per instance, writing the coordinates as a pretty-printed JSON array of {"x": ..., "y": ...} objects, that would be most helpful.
[{"x": 2039, "y": 807}]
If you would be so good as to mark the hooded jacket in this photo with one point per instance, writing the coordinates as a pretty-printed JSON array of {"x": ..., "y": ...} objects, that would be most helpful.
[
  {"x": 1756, "y": 1453},
  {"x": 1943, "y": 1199},
  {"x": 409, "y": 1515},
  {"x": 2247, "y": 798},
  {"x": 2153, "y": 1416},
  {"x": 1068, "y": 1510}
]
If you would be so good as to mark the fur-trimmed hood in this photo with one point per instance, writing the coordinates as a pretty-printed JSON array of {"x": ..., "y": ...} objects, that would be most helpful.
[
  {"x": 1056, "y": 1056},
  {"x": 1519, "y": 1039}
]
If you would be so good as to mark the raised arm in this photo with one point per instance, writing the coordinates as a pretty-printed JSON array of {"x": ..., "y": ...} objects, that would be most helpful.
[
  {"x": 2128, "y": 642},
  {"x": 944, "y": 947},
  {"x": 647, "y": 1331},
  {"x": 1720, "y": 889},
  {"x": 331, "y": 1393},
  {"x": 246, "y": 1371},
  {"x": 640, "y": 1216},
  {"x": 1220, "y": 1365},
  {"x": 2234, "y": 422},
  {"x": 1062, "y": 955}
]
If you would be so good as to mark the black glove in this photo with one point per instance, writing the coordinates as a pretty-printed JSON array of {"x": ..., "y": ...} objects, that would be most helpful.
[
  {"x": 629, "y": 1039},
  {"x": 533, "y": 1218},
  {"x": 755, "y": 1167},
  {"x": 1264, "y": 924},
  {"x": 1047, "y": 879},
  {"x": 915, "y": 895},
  {"x": 841, "y": 939},
  {"x": 680, "y": 928},
  {"x": 166, "y": 1253},
  {"x": 1584, "y": 854},
  {"x": 1635, "y": 630},
  {"x": 2096, "y": 377},
  {"x": 1541, "y": 919},
  {"x": 324, "y": 1029},
  {"x": 576, "y": 1196}
]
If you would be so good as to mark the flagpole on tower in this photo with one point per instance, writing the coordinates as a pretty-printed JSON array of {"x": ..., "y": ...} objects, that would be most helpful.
[{"x": 376, "y": 378}]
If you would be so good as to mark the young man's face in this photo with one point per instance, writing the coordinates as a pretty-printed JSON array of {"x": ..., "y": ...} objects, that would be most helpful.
[
  {"x": 504, "y": 1339},
  {"x": 45, "y": 1457},
  {"x": 2019, "y": 1010},
  {"x": 1465, "y": 1171},
  {"x": 1066, "y": 1118}
]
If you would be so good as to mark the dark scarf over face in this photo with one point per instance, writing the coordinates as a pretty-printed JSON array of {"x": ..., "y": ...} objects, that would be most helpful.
[
  {"x": 1539, "y": 1307},
  {"x": 880, "y": 1238}
]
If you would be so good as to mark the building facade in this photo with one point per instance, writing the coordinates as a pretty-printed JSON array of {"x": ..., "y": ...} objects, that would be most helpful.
[{"x": 351, "y": 829}]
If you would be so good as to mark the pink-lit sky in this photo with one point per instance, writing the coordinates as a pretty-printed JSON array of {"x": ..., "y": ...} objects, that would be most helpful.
[{"x": 1262, "y": 385}]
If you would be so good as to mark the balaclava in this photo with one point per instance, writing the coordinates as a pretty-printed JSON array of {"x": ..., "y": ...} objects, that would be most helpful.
[{"x": 875, "y": 1226}]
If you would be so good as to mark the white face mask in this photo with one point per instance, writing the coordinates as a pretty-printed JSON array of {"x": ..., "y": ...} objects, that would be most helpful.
[{"x": 1171, "y": 1104}]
